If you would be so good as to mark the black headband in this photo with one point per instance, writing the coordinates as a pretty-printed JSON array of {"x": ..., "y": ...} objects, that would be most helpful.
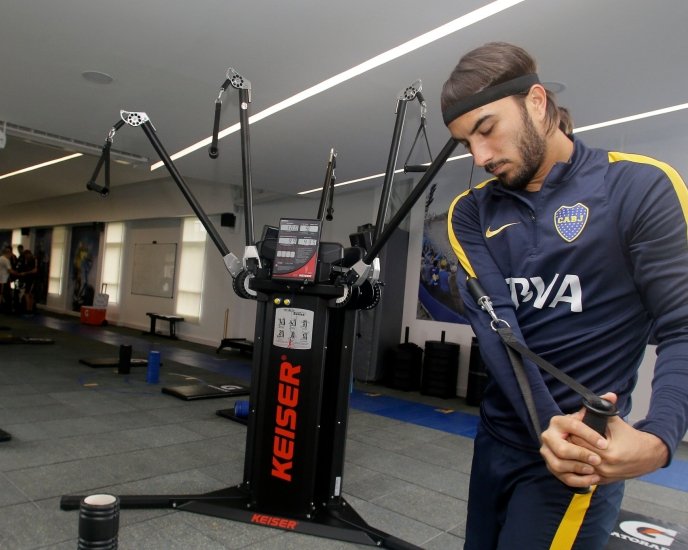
[{"x": 488, "y": 95}]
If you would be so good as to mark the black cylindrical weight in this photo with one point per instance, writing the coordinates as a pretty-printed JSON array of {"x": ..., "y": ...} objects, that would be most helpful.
[
  {"x": 98, "y": 522},
  {"x": 440, "y": 368},
  {"x": 477, "y": 376},
  {"x": 124, "y": 365},
  {"x": 403, "y": 367}
]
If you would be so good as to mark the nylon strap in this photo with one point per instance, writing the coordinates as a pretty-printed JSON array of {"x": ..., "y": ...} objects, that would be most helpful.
[
  {"x": 526, "y": 390},
  {"x": 507, "y": 336}
]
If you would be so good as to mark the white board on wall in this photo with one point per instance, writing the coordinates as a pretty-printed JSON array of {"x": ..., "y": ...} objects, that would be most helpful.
[{"x": 153, "y": 271}]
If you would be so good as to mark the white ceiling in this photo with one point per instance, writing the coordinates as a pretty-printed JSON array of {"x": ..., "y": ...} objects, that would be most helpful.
[{"x": 616, "y": 58}]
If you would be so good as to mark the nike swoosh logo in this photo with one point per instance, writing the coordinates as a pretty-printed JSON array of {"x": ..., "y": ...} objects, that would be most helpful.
[{"x": 490, "y": 233}]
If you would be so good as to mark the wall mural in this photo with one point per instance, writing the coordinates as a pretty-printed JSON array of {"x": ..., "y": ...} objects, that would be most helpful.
[
  {"x": 42, "y": 246},
  {"x": 83, "y": 257},
  {"x": 438, "y": 295},
  {"x": 5, "y": 239}
]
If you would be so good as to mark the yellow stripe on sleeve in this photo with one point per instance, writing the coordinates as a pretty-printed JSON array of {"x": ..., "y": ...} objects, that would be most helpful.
[
  {"x": 458, "y": 249},
  {"x": 673, "y": 175},
  {"x": 571, "y": 523}
]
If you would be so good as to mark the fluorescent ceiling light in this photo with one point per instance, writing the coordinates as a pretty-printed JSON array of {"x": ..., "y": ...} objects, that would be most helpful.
[
  {"x": 423, "y": 40},
  {"x": 631, "y": 118},
  {"x": 580, "y": 130},
  {"x": 31, "y": 135},
  {"x": 358, "y": 180},
  {"x": 41, "y": 165}
]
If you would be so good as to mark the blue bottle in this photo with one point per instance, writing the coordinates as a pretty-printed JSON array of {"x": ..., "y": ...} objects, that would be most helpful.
[{"x": 153, "y": 372}]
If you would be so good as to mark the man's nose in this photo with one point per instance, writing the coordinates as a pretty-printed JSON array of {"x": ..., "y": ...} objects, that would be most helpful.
[{"x": 482, "y": 154}]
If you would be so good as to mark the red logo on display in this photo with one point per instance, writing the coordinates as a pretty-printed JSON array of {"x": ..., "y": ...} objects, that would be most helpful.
[
  {"x": 273, "y": 521},
  {"x": 285, "y": 420}
]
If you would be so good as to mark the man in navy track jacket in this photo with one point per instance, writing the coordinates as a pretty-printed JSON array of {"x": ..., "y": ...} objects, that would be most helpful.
[{"x": 584, "y": 253}]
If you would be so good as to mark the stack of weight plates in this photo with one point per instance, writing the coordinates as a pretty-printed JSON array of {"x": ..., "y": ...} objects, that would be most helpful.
[{"x": 440, "y": 368}]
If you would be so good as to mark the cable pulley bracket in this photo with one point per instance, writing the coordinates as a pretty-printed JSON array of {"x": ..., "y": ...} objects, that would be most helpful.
[
  {"x": 238, "y": 82},
  {"x": 361, "y": 272},
  {"x": 133, "y": 118},
  {"x": 251, "y": 259},
  {"x": 411, "y": 92},
  {"x": 233, "y": 264},
  {"x": 414, "y": 92}
]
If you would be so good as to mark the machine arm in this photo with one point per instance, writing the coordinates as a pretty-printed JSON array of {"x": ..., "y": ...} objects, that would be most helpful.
[
  {"x": 152, "y": 136},
  {"x": 141, "y": 119},
  {"x": 407, "y": 94},
  {"x": 251, "y": 260},
  {"x": 362, "y": 269},
  {"x": 366, "y": 267}
]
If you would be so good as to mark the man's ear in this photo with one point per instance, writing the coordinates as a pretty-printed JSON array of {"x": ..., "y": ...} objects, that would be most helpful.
[{"x": 537, "y": 102}]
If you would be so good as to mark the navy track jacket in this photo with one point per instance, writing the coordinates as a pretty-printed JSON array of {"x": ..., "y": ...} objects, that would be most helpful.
[{"x": 585, "y": 271}]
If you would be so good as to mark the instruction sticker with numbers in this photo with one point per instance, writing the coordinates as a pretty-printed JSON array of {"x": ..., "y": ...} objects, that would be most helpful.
[{"x": 293, "y": 328}]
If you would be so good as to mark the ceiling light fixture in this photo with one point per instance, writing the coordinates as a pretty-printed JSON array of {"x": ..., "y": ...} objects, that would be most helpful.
[
  {"x": 631, "y": 118},
  {"x": 42, "y": 165},
  {"x": 580, "y": 130},
  {"x": 358, "y": 180},
  {"x": 423, "y": 40}
]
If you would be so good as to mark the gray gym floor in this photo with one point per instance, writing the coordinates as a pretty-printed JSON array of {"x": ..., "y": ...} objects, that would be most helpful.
[{"x": 78, "y": 430}]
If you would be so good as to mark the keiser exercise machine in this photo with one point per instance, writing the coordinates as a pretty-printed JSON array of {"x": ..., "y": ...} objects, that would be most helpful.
[{"x": 307, "y": 293}]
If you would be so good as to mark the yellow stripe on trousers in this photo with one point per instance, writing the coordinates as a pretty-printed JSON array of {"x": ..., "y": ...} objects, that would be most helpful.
[{"x": 571, "y": 522}]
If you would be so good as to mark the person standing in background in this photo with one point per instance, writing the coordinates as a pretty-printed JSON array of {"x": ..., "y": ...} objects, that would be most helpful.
[
  {"x": 6, "y": 272},
  {"x": 28, "y": 276}
]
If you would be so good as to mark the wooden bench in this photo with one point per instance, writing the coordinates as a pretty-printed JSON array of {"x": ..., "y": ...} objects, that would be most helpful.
[{"x": 171, "y": 319}]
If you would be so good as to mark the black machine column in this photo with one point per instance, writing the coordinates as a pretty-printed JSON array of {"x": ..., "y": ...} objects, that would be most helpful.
[{"x": 297, "y": 434}]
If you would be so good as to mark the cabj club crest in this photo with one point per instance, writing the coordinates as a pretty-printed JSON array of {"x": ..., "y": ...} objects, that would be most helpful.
[{"x": 570, "y": 221}]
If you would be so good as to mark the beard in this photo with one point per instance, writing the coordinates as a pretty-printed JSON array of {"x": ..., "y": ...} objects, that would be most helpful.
[{"x": 532, "y": 147}]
